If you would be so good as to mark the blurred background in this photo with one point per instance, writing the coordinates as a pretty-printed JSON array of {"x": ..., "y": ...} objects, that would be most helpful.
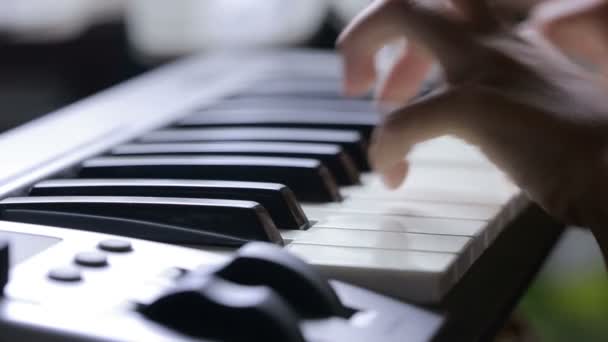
[{"x": 54, "y": 52}]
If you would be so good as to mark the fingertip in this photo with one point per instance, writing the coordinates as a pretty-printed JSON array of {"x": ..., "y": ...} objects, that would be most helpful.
[
  {"x": 375, "y": 155},
  {"x": 394, "y": 176},
  {"x": 359, "y": 73},
  {"x": 386, "y": 149}
]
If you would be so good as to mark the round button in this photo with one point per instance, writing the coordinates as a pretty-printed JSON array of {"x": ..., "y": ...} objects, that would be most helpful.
[
  {"x": 91, "y": 259},
  {"x": 115, "y": 245},
  {"x": 67, "y": 274}
]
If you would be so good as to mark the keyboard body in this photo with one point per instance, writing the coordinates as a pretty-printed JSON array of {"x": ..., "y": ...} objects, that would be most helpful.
[
  {"x": 102, "y": 306},
  {"x": 426, "y": 243}
]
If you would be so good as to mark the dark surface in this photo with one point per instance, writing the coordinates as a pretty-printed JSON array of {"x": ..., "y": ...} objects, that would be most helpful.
[{"x": 37, "y": 78}]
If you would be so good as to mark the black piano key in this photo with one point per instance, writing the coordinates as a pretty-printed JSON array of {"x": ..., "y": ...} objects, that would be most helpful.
[
  {"x": 173, "y": 220},
  {"x": 362, "y": 122},
  {"x": 278, "y": 199},
  {"x": 313, "y": 89},
  {"x": 293, "y": 103},
  {"x": 351, "y": 141},
  {"x": 297, "y": 88},
  {"x": 308, "y": 178},
  {"x": 302, "y": 75},
  {"x": 338, "y": 162}
]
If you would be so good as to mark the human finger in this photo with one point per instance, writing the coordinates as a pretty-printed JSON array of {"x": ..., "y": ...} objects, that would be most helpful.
[
  {"x": 428, "y": 118},
  {"x": 394, "y": 176},
  {"x": 448, "y": 40},
  {"x": 406, "y": 75},
  {"x": 362, "y": 39}
]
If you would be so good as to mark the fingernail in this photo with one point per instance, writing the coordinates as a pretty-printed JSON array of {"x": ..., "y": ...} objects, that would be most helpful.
[
  {"x": 390, "y": 181},
  {"x": 394, "y": 176}
]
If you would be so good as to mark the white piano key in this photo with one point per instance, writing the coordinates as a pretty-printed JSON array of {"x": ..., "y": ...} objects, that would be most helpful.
[
  {"x": 449, "y": 150},
  {"x": 380, "y": 240},
  {"x": 462, "y": 246},
  {"x": 445, "y": 185},
  {"x": 453, "y": 179},
  {"x": 444, "y": 169},
  {"x": 429, "y": 194},
  {"x": 408, "y": 208},
  {"x": 475, "y": 230},
  {"x": 423, "y": 277},
  {"x": 404, "y": 224},
  {"x": 489, "y": 181}
]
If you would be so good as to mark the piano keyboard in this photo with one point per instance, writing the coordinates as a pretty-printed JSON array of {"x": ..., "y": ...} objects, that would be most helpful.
[{"x": 214, "y": 152}]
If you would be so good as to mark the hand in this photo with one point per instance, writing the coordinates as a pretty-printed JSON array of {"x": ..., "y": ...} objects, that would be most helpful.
[{"x": 534, "y": 113}]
